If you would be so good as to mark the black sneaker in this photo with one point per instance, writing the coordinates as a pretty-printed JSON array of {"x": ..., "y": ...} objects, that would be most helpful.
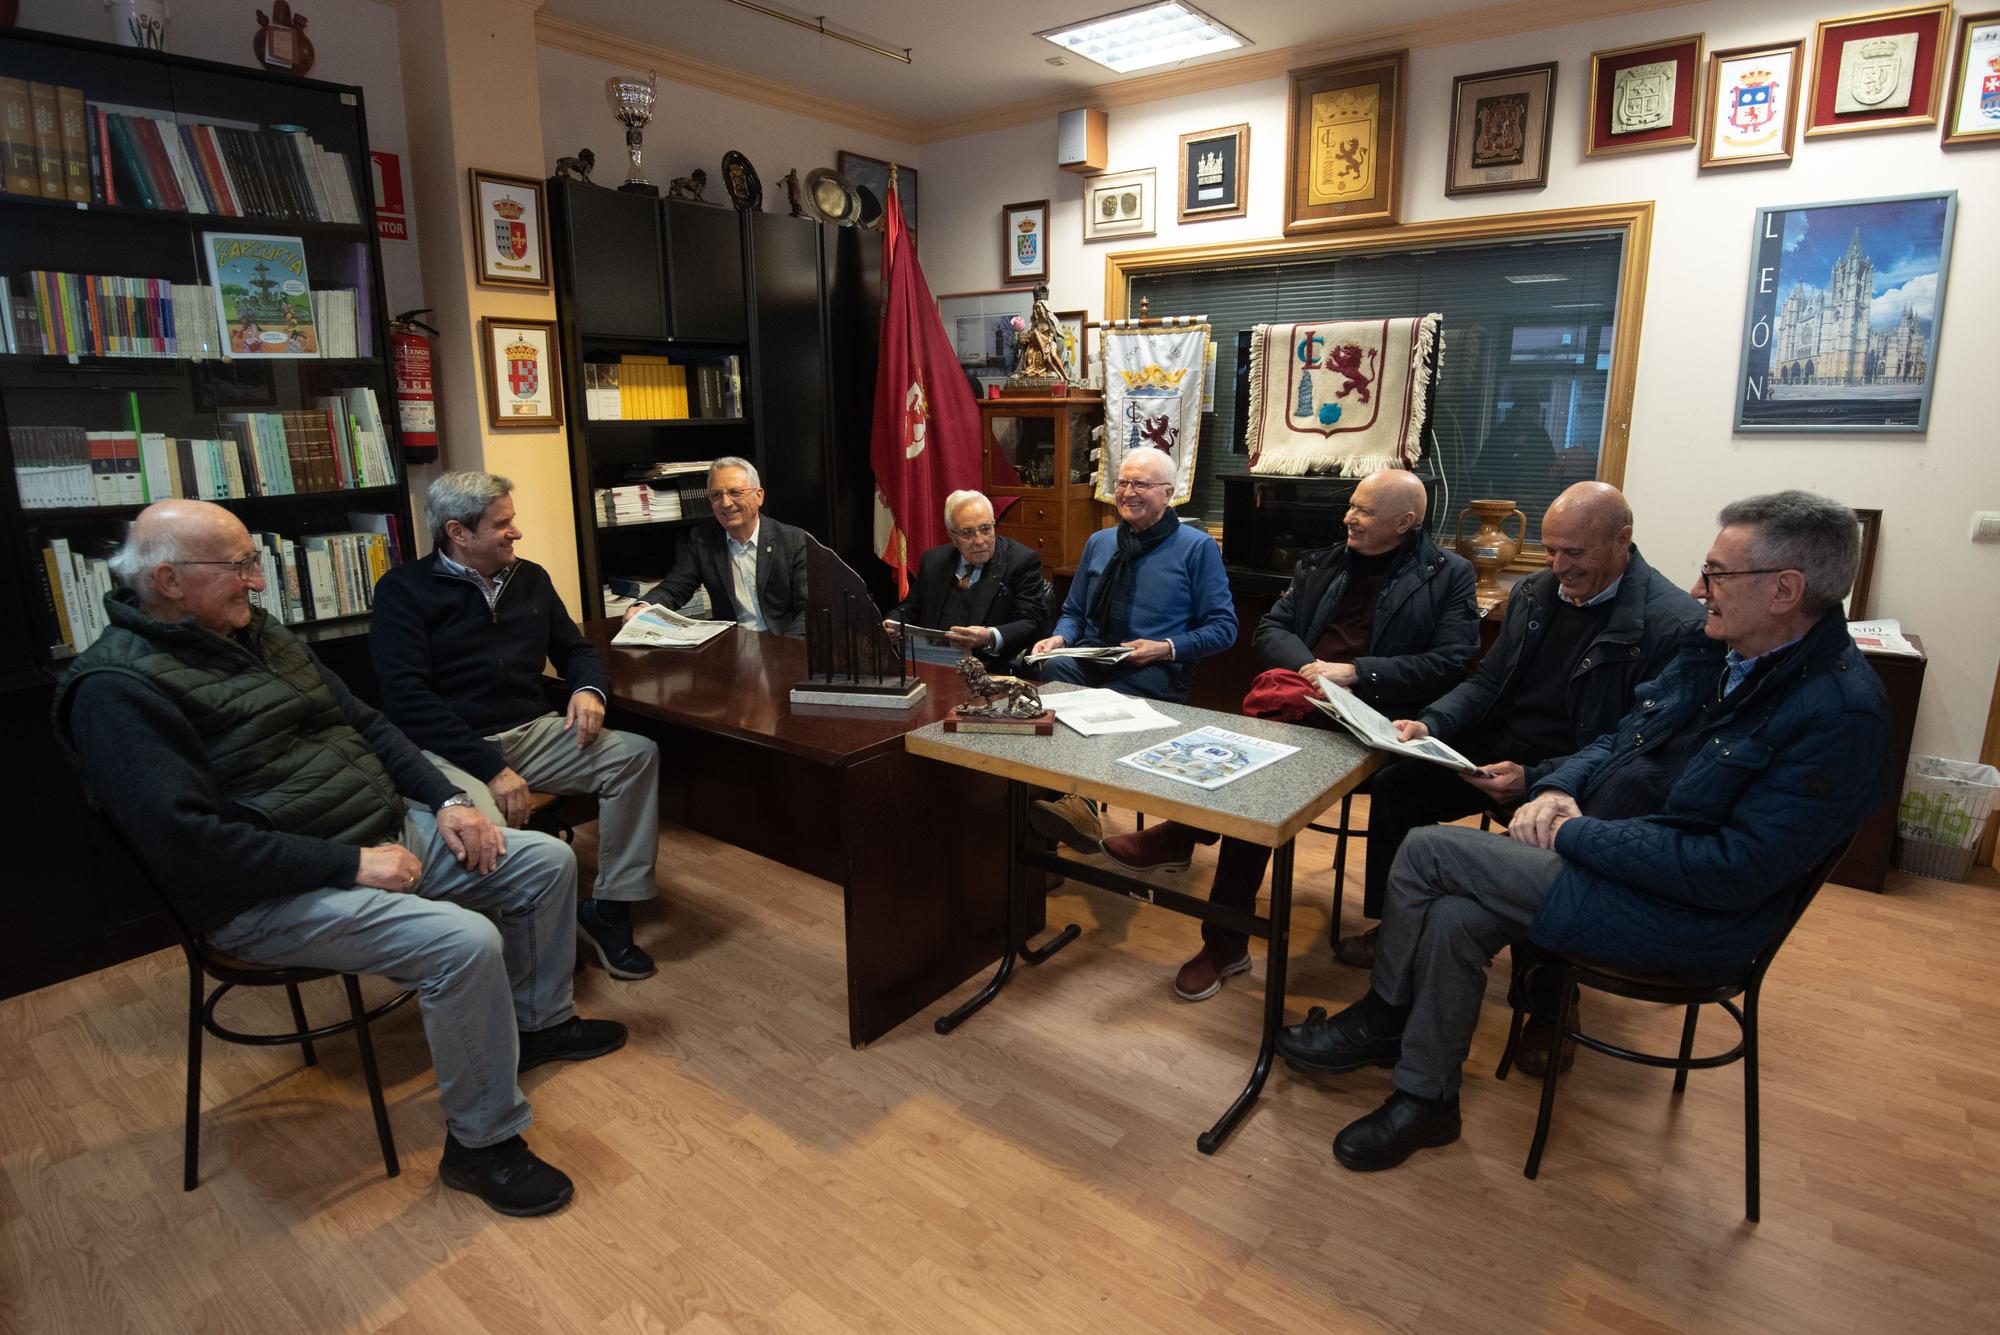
[
  {"x": 575, "y": 1039},
  {"x": 612, "y": 942},
  {"x": 507, "y": 1176}
]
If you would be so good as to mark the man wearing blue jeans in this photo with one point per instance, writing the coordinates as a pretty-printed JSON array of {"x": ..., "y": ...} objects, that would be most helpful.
[{"x": 292, "y": 824}]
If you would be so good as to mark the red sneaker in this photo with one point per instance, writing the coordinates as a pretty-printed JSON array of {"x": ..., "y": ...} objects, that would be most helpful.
[
  {"x": 1168, "y": 846},
  {"x": 1201, "y": 977}
]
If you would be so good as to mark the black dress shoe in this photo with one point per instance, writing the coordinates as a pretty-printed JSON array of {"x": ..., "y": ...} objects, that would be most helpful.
[
  {"x": 1531, "y": 1050},
  {"x": 1336, "y": 1043},
  {"x": 575, "y": 1039},
  {"x": 507, "y": 1176},
  {"x": 612, "y": 943},
  {"x": 1395, "y": 1131}
]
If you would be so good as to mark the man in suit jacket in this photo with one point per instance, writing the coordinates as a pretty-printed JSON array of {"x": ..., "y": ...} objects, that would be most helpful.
[
  {"x": 753, "y": 568},
  {"x": 985, "y": 590}
]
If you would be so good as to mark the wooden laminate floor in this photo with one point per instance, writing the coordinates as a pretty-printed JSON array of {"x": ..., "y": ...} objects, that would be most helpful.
[{"x": 739, "y": 1168}]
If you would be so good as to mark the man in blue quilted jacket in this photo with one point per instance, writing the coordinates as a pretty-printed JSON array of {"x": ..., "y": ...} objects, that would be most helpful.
[{"x": 1679, "y": 841}]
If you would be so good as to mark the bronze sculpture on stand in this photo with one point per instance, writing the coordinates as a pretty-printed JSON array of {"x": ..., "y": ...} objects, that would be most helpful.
[{"x": 1039, "y": 361}]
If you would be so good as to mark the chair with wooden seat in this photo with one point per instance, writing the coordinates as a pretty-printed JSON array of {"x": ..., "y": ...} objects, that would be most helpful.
[
  {"x": 1693, "y": 991},
  {"x": 229, "y": 973}
]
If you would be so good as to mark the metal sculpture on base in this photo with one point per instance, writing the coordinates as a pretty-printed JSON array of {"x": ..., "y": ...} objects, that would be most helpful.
[
  {"x": 577, "y": 168},
  {"x": 1007, "y": 704},
  {"x": 850, "y": 660}
]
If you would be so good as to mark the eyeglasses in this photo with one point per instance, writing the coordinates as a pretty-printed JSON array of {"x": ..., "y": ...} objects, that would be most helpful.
[
  {"x": 1126, "y": 484},
  {"x": 733, "y": 493},
  {"x": 247, "y": 569},
  {"x": 1709, "y": 574},
  {"x": 979, "y": 531}
]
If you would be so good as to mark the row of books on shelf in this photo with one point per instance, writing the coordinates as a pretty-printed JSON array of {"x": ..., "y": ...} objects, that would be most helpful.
[
  {"x": 649, "y": 503},
  {"x": 317, "y": 577},
  {"x": 655, "y": 389},
  {"x": 111, "y": 315},
  {"x": 58, "y": 145},
  {"x": 338, "y": 444}
]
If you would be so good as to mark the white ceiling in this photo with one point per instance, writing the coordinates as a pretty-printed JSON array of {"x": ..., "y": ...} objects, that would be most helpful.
[{"x": 967, "y": 56}]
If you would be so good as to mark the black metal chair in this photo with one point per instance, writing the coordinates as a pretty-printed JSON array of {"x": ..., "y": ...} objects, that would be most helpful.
[
  {"x": 204, "y": 962},
  {"x": 1690, "y": 990}
]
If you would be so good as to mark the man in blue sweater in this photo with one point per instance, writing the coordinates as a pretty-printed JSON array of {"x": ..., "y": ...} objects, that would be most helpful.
[
  {"x": 459, "y": 639},
  {"x": 1679, "y": 841},
  {"x": 1151, "y": 584}
]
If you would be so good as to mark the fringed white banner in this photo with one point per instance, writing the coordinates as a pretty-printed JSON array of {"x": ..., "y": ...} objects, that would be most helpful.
[
  {"x": 1341, "y": 396},
  {"x": 1152, "y": 396}
]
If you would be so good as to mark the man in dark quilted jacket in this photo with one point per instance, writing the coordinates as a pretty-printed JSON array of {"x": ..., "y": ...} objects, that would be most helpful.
[{"x": 1679, "y": 841}]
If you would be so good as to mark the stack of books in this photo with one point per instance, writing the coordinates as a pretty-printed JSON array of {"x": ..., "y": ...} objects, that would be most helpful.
[
  {"x": 58, "y": 146},
  {"x": 656, "y": 390},
  {"x": 639, "y": 504}
]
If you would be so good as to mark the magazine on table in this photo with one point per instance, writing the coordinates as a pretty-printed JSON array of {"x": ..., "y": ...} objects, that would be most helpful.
[
  {"x": 662, "y": 627},
  {"x": 1096, "y": 712},
  {"x": 1096, "y": 653},
  {"x": 1374, "y": 728},
  {"x": 1208, "y": 757}
]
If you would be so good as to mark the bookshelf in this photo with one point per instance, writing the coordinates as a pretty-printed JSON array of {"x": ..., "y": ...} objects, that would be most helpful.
[{"x": 192, "y": 306}]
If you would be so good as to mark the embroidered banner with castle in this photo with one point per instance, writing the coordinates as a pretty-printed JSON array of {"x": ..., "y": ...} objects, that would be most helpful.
[
  {"x": 1153, "y": 383},
  {"x": 1341, "y": 396}
]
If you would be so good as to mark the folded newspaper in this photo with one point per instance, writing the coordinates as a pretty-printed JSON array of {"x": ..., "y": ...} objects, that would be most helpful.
[
  {"x": 1374, "y": 728},
  {"x": 914, "y": 631},
  {"x": 658, "y": 627},
  {"x": 1095, "y": 712},
  {"x": 1883, "y": 637},
  {"x": 1096, "y": 653}
]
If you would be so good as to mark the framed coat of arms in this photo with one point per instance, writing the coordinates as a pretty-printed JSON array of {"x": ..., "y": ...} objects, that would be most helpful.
[
  {"x": 523, "y": 382},
  {"x": 1344, "y": 144},
  {"x": 1881, "y": 71},
  {"x": 1500, "y": 130},
  {"x": 1644, "y": 96},
  {"x": 1972, "y": 108},
  {"x": 510, "y": 229},
  {"x": 1752, "y": 108}
]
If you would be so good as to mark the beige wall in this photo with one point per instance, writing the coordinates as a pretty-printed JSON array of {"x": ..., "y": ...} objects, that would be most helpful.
[{"x": 1684, "y": 461}]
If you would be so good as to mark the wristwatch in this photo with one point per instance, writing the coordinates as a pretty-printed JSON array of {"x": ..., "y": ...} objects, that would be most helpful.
[{"x": 455, "y": 800}]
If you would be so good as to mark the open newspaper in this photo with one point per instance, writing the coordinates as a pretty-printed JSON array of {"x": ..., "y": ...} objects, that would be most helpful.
[
  {"x": 915, "y": 631},
  {"x": 662, "y": 627},
  {"x": 1374, "y": 728},
  {"x": 1096, "y": 653}
]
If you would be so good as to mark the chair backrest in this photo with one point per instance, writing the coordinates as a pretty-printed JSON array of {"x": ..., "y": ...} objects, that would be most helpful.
[
  {"x": 1808, "y": 891},
  {"x": 189, "y": 941}
]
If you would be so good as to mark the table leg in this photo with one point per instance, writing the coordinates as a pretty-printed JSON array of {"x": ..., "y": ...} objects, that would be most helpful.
[
  {"x": 1017, "y": 889},
  {"x": 1275, "y": 957}
]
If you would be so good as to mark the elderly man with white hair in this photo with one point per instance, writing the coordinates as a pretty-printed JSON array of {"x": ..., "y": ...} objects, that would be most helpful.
[
  {"x": 985, "y": 591},
  {"x": 291, "y": 824}
]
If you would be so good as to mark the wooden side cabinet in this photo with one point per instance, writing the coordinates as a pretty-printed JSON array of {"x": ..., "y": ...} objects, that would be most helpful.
[{"x": 1038, "y": 450}]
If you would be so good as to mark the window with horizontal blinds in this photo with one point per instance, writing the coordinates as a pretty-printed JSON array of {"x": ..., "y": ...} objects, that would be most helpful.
[{"x": 1520, "y": 407}]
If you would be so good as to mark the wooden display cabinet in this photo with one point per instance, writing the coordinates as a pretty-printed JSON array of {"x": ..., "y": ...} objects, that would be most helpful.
[{"x": 1038, "y": 449}]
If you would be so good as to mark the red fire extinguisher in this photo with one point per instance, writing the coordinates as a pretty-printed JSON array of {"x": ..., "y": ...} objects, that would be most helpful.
[{"x": 416, "y": 400}]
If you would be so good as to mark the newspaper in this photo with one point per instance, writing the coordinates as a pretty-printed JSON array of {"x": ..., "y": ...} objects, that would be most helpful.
[
  {"x": 1374, "y": 728},
  {"x": 1095, "y": 712},
  {"x": 662, "y": 627},
  {"x": 915, "y": 631},
  {"x": 1097, "y": 653},
  {"x": 1208, "y": 757},
  {"x": 1882, "y": 637}
]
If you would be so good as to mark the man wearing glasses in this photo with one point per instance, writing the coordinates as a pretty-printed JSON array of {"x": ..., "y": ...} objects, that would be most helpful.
[
  {"x": 458, "y": 640},
  {"x": 752, "y": 567},
  {"x": 291, "y": 824},
  {"x": 985, "y": 591},
  {"x": 1149, "y": 583},
  {"x": 1679, "y": 841}
]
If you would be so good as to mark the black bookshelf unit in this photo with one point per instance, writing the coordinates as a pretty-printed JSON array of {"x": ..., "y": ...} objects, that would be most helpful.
[{"x": 112, "y": 329}]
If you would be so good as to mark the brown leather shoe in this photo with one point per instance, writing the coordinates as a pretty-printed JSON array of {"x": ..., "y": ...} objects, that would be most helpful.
[
  {"x": 1167, "y": 846},
  {"x": 1357, "y": 951},
  {"x": 1069, "y": 819},
  {"x": 1531, "y": 1050},
  {"x": 1201, "y": 977}
]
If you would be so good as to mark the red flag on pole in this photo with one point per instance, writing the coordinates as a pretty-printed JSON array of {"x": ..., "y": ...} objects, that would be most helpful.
[{"x": 925, "y": 443}]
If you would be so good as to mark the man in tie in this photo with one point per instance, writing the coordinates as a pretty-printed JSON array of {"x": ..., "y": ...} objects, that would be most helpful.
[
  {"x": 984, "y": 591},
  {"x": 753, "y": 567}
]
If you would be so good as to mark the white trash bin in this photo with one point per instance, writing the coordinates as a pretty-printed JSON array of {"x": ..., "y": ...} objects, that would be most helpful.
[{"x": 1944, "y": 810}]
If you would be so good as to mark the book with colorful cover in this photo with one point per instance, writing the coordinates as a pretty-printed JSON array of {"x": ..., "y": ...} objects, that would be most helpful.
[{"x": 263, "y": 295}]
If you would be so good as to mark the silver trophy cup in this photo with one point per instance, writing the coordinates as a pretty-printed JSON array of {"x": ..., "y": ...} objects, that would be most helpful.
[{"x": 632, "y": 103}]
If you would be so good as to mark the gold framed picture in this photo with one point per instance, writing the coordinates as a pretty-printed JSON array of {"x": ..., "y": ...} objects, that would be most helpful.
[
  {"x": 1644, "y": 96},
  {"x": 1972, "y": 108},
  {"x": 1215, "y": 174},
  {"x": 1500, "y": 130},
  {"x": 1119, "y": 204},
  {"x": 523, "y": 380},
  {"x": 1880, "y": 71},
  {"x": 1751, "y": 112},
  {"x": 510, "y": 228},
  {"x": 1344, "y": 144}
]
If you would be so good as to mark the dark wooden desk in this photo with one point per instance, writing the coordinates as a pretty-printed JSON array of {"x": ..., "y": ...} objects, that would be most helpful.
[
  {"x": 831, "y": 792},
  {"x": 1866, "y": 865}
]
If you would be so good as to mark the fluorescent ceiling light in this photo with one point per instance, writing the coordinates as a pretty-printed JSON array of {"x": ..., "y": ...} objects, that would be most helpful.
[
  {"x": 1145, "y": 36},
  {"x": 1538, "y": 278}
]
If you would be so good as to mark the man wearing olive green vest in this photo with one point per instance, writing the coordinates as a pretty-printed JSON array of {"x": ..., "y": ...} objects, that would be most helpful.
[{"x": 291, "y": 824}]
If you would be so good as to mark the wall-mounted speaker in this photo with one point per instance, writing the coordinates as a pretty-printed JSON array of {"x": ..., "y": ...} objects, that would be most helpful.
[{"x": 1080, "y": 137}]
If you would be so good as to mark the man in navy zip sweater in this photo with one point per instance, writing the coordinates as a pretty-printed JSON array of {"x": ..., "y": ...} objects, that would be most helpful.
[{"x": 459, "y": 639}]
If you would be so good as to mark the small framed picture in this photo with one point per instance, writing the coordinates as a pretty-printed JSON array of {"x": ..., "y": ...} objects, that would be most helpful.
[
  {"x": 1500, "y": 130},
  {"x": 1024, "y": 242},
  {"x": 523, "y": 384},
  {"x": 1752, "y": 108},
  {"x": 510, "y": 227},
  {"x": 1881, "y": 71},
  {"x": 1344, "y": 144},
  {"x": 1215, "y": 172},
  {"x": 1972, "y": 108},
  {"x": 983, "y": 332},
  {"x": 1644, "y": 96},
  {"x": 1075, "y": 343},
  {"x": 1119, "y": 204}
]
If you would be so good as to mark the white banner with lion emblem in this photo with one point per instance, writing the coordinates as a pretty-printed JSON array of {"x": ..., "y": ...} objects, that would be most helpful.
[
  {"x": 1153, "y": 382},
  {"x": 1341, "y": 396}
]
